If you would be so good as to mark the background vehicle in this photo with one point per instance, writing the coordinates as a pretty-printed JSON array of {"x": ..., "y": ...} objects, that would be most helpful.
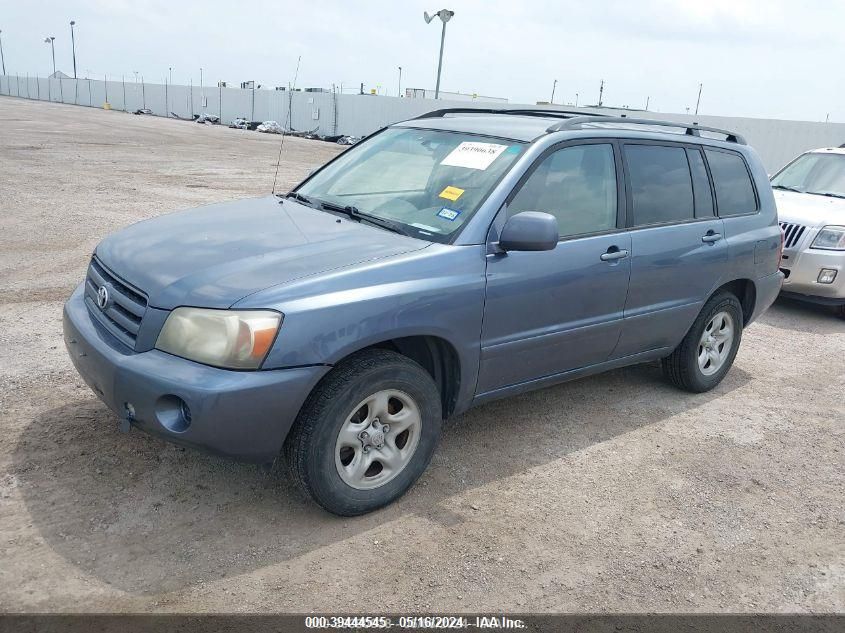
[
  {"x": 444, "y": 262},
  {"x": 810, "y": 195}
]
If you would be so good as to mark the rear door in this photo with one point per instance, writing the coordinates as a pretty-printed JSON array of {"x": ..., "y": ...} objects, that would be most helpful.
[
  {"x": 679, "y": 253},
  {"x": 552, "y": 311}
]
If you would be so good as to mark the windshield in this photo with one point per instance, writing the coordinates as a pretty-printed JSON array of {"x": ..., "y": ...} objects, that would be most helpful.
[
  {"x": 429, "y": 182},
  {"x": 822, "y": 174}
]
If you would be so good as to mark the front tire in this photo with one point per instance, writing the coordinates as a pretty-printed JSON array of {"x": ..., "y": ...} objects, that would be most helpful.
[
  {"x": 708, "y": 350},
  {"x": 366, "y": 433}
]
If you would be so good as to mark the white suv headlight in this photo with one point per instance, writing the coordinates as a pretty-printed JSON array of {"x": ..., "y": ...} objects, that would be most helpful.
[
  {"x": 831, "y": 238},
  {"x": 233, "y": 339}
]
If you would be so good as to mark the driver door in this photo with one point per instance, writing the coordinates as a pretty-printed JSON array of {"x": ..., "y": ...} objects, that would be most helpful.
[{"x": 550, "y": 312}]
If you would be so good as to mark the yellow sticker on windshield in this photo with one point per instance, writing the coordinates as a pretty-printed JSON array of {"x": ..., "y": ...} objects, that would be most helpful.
[{"x": 451, "y": 193}]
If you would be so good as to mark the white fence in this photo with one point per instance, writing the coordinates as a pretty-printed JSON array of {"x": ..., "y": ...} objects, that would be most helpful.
[{"x": 777, "y": 141}]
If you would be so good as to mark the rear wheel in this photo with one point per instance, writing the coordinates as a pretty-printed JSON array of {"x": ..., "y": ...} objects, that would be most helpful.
[
  {"x": 366, "y": 433},
  {"x": 708, "y": 350}
]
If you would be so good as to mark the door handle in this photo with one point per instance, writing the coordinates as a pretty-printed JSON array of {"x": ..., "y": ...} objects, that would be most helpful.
[
  {"x": 613, "y": 255},
  {"x": 711, "y": 237}
]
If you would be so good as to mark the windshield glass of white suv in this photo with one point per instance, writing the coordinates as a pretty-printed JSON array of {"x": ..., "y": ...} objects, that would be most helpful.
[
  {"x": 429, "y": 182},
  {"x": 822, "y": 174}
]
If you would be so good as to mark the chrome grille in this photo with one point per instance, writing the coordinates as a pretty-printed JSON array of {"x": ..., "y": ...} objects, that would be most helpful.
[
  {"x": 126, "y": 305},
  {"x": 791, "y": 234}
]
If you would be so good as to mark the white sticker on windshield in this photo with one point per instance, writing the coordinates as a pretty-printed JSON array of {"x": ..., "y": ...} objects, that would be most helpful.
[{"x": 474, "y": 155}]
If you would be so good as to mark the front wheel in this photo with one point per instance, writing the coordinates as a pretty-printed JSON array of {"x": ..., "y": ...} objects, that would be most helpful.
[
  {"x": 708, "y": 350},
  {"x": 366, "y": 433}
]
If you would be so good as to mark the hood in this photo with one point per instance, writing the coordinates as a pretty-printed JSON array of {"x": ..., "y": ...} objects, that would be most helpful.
[
  {"x": 808, "y": 209},
  {"x": 215, "y": 255}
]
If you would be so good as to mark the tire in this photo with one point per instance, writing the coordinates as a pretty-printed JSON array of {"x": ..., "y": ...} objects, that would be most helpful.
[
  {"x": 840, "y": 310},
  {"x": 683, "y": 368},
  {"x": 324, "y": 450}
]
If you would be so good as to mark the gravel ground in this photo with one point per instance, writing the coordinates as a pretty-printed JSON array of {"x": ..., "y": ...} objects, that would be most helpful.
[{"x": 614, "y": 493}]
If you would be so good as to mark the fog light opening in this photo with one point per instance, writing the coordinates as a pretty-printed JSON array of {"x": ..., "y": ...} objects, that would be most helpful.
[
  {"x": 173, "y": 413},
  {"x": 826, "y": 275}
]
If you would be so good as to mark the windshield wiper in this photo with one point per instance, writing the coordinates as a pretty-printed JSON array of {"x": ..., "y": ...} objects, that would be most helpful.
[
  {"x": 300, "y": 198},
  {"x": 786, "y": 188},
  {"x": 355, "y": 213},
  {"x": 829, "y": 194}
]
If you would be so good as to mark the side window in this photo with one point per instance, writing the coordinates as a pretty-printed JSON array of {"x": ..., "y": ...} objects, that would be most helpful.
[
  {"x": 700, "y": 184},
  {"x": 661, "y": 187},
  {"x": 575, "y": 184},
  {"x": 734, "y": 191}
]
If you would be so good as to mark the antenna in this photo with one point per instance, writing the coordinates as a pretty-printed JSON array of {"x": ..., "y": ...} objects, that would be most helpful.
[{"x": 287, "y": 123}]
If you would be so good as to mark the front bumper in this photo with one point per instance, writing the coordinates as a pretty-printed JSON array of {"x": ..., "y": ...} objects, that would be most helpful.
[
  {"x": 242, "y": 414},
  {"x": 803, "y": 271}
]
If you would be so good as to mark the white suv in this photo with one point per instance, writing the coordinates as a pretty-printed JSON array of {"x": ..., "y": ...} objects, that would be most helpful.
[{"x": 810, "y": 195}]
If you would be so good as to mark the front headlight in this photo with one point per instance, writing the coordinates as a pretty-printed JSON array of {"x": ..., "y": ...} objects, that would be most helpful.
[
  {"x": 233, "y": 339},
  {"x": 831, "y": 238}
]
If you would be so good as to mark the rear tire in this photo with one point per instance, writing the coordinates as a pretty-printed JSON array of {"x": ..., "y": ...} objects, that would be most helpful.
[
  {"x": 708, "y": 350},
  {"x": 366, "y": 433}
]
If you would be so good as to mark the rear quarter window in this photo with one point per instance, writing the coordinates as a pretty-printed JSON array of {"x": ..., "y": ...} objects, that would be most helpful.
[{"x": 732, "y": 183}]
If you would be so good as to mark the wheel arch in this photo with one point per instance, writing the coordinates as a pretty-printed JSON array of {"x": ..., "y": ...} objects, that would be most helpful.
[
  {"x": 746, "y": 292},
  {"x": 435, "y": 354}
]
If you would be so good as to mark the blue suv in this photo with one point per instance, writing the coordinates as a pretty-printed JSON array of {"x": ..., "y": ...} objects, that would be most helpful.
[{"x": 443, "y": 262}]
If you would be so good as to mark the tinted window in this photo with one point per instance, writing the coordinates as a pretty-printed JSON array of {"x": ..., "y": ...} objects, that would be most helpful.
[
  {"x": 661, "y": 188},
  {"x": 700, "y": 184},
  {"x": 734, "y": 191},
  {"x": 577, "y": 185}
]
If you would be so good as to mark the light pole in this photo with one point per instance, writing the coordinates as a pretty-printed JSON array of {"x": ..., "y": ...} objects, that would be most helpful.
[
  {"x": 554, "y": 85},
  {"x": 400, "y": 81},
  {"x": 2, "y": 59},
  {"x": 576, "y": 99},
  {"x": 49, "y": 40},
  {"x": 73, "y": 46},
  {"x": 445, "y": 15},
  {"x": 202, "y": 94}
]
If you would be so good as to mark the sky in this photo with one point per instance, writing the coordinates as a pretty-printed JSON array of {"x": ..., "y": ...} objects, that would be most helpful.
[{"x": 773, "y": 58}]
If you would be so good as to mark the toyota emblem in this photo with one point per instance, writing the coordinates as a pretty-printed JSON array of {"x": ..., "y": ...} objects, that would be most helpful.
[{"x": 102, "y": 297}]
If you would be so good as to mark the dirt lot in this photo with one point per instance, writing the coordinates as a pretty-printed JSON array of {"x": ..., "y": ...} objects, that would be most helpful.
[{"x": 615, "y": 493}]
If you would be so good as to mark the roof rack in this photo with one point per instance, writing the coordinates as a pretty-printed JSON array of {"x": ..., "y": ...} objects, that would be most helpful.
[
  {"x": 558, "y": 114},
  {"x": 577, "y": 123}
]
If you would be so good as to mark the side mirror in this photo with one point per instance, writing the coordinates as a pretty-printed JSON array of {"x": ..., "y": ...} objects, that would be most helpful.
[{"x": 530, "y": 231}]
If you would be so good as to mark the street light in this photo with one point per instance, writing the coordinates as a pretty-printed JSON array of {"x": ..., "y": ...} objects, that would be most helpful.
[
  {"x": 49, "y": 40},
  {"x": 400, "y": 81},
  {"x": 73, "y": 47},
  {"x": 445, "y": 15}
]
